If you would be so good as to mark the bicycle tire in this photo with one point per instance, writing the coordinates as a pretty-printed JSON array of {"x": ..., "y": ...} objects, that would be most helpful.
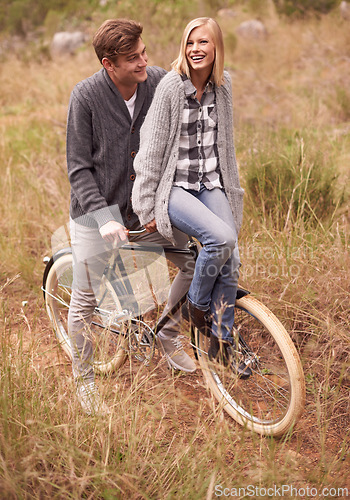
[
  {"x": 272, "y": 399},
  {"x": 109, "y": 346}
]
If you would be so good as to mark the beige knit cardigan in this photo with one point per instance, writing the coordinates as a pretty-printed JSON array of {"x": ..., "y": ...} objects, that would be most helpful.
[{"x": 155, "y": 163}]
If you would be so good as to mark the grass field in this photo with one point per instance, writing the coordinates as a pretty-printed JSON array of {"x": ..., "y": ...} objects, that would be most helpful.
[{"x": 165, "y": 437}]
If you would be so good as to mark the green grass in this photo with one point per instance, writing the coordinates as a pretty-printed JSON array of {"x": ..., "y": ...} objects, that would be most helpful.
[{"x": 290, "y": 179}]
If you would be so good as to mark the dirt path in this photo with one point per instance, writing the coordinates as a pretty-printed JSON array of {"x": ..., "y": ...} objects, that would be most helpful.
[{"x": 313, "y": 446}]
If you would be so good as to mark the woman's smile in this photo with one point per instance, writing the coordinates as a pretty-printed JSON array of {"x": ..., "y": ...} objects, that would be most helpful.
[{"x": 200, "y": 49}]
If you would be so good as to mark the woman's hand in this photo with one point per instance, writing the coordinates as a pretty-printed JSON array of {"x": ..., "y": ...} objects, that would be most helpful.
[{"x": 151, "y": 227}]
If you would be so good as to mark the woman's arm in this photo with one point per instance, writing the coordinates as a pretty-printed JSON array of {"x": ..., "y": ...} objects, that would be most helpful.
[{"x": 151, "y": 159}]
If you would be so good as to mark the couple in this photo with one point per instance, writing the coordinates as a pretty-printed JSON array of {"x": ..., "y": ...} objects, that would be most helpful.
[{"x": 173, "y": 171}]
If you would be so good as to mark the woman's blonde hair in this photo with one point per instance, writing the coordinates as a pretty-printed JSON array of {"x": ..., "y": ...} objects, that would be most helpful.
[{"x": 181, "y": 65}]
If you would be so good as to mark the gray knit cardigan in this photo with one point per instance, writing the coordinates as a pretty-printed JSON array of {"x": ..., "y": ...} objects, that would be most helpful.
[
  {"x": 102, "y": 141},
  {"x": 156, "y": 162}
]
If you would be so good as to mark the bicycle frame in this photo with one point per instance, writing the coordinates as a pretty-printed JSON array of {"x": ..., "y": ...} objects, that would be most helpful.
[
  {"x": 268, "y": 402},
  {"x": 125, "y": 289},
  {"x": 117, "y": 262}
]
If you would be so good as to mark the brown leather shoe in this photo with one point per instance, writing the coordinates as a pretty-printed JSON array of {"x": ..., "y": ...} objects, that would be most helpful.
[
  {"x": 184, "y": 312},
  {"x": 200, "y": 319},
  {"x": 221, "y": 351}
]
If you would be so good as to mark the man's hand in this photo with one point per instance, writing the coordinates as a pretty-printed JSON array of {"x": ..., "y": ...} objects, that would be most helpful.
[
  {"x": 114, "y": 232},
  {"x": 151, "y": 227}
]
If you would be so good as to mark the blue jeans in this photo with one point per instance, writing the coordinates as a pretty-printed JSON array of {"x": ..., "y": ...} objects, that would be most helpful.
[{"x": 206, "y": 215}]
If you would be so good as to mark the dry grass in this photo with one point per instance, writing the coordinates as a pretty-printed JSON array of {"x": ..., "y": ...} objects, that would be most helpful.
[{"x": 164, "y": 438}]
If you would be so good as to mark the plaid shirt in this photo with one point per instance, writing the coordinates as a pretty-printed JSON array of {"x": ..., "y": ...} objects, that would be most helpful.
[{"x": 198, "y": 160}]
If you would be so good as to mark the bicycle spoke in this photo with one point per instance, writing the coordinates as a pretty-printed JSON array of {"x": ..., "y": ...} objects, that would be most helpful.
[
  {"x": 106, "y": 331},
  {"x": 262, "y": 400}
]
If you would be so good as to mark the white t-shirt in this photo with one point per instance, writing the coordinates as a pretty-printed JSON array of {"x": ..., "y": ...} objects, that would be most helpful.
[{"x": 130, "y": 104}]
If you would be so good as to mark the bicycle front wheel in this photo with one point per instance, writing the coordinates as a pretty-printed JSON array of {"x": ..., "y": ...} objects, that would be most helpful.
[
  {"x": 106, "y": 331},
  {"x": 272, "y": 399}
]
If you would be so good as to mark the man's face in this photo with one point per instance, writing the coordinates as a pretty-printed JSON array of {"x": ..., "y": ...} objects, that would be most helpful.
[{"x": 130, "y": 69}]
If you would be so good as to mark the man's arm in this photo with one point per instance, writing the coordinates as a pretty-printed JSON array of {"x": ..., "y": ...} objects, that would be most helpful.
[{"x": 80, "y": 169}]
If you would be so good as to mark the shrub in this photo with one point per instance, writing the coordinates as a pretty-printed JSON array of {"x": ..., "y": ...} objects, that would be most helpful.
[
  {"x": 291, "y": 180},
  {"x": 21, "y": 16},
  {"x": 299, "y": 8}
]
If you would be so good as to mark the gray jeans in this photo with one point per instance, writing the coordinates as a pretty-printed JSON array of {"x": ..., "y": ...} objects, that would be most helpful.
[{"x": 90, "y": 256}]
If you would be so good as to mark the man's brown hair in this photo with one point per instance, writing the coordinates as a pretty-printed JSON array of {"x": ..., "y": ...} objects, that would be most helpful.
[{"x": 116, "y": 37}]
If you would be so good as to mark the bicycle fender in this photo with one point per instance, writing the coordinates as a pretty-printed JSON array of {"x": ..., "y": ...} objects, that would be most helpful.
[
  {"x": 241, "y": 292},
  {"x": 48, "y": 266}
]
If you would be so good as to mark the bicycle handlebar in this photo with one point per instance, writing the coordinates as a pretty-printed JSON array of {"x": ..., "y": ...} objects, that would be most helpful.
[{"x": 139, "y": 231}]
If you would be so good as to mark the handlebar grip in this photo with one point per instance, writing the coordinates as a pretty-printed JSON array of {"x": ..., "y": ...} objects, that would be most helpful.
[{"x": 139, "y": 231}]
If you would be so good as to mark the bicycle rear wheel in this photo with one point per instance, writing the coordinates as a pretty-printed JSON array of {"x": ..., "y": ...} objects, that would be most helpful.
[
  {"x": 272, "y": 399},
  {"x": 107, "y": 331}
]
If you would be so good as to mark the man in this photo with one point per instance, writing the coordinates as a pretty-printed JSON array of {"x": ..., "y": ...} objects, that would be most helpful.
[{"x": 105, "y": 115}]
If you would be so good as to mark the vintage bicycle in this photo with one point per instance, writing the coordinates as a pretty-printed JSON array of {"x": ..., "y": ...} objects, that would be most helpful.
[{"x": 269, "y": 402}]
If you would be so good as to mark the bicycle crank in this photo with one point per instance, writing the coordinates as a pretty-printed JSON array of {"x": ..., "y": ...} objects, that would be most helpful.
[{"x": 141, "y": 341}]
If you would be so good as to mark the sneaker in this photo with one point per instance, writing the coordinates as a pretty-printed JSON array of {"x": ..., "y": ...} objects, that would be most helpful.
[
  {"x": 175, "y": 355},
  {"x": 90, "y": 399},
  {"x": 222, "y": 352}
]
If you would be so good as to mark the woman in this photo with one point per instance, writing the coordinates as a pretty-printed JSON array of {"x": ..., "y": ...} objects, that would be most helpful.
[{"x": 187, "y": 176}]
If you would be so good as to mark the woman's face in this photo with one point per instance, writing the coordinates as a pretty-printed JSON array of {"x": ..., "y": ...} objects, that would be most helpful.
[{"x": 200, "y": 49}]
